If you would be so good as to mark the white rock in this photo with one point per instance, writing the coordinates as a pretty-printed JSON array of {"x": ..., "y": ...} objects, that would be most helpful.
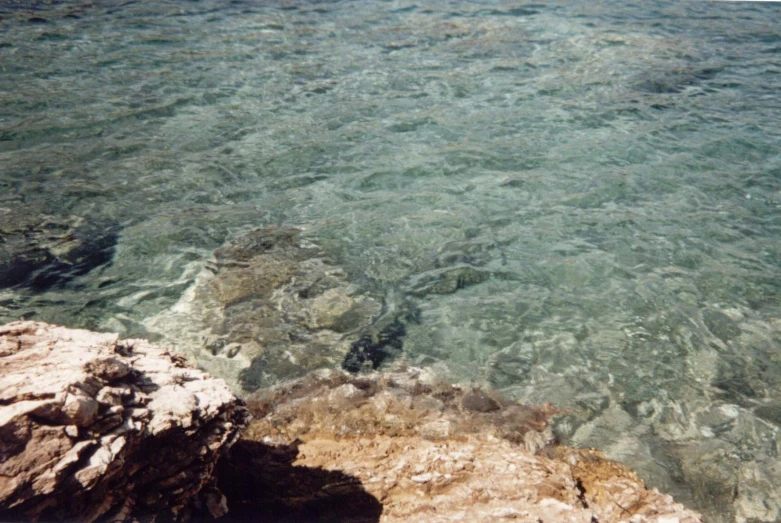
[{"x": 53, "y": 429}]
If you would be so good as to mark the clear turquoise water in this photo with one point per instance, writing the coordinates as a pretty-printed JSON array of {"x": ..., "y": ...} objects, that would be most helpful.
[{"x": 615, "y": 166}]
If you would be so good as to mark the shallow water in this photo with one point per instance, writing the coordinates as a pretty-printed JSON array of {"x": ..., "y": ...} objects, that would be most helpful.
[{"x": 615, "y": 168}]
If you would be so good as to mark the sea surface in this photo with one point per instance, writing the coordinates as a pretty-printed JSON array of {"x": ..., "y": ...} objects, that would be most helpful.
[{"x": 614, "y": 166}]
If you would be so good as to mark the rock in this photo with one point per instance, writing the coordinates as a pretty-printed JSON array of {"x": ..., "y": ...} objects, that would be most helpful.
[
  {"x": 479, "y": 401},
  {"x": 41, "y": 251},
  {"x": 268, "y": 307},
  {"x": 407, "y": 400},
  {"x": 329, "y": 308},
  {"x": 674, "y": 80},
  {"x": 446, "y": 281},
  {"x": 338, "y": 444},
  {"x": 375, "y": 347},
  {"x": 758, "y": 497},
  {"x": 96, "y": 428},
  {"x": 720, "y": 324},
  {"x": 770, "y": 412}
]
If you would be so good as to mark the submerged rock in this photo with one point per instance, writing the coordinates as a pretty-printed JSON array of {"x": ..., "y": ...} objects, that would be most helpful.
[
  {"x": 446, "y": 281},
  {"x": 43, "y": 251},
  {"x": 675, "y": 80},
  {"x": 96, "y": 428},
  {"x": 267, "y": 308},
  {"x": 271, "y": 307},
  {"x": 372, "y": 349},
  {"x": 406, "y": 446}
]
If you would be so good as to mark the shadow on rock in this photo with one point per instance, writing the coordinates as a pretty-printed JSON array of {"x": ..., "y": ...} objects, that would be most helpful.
[{"x": 261, "y": 484}]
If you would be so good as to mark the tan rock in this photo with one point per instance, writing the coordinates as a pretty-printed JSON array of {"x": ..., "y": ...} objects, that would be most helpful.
[
  {"x": 403, "y": 446},
  {"x": 328, "y": 308},
  {"x": 255, "y": 281}
]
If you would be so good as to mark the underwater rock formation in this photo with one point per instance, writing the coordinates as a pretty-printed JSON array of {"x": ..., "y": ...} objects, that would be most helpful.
[
  {"x": 373, "y": 348},
  {"x": 42, "y": 251},
  {"x": 96, "y": 428},
  {"x": 425, "y": 449},
  {"x": 268, "y": 307}
]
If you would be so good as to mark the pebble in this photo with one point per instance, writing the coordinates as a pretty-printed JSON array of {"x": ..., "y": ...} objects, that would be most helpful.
[{"x": 422, "y": 478}]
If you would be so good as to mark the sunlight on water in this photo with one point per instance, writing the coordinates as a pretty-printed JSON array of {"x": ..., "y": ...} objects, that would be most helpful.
[{"x": 602, "y": 178}]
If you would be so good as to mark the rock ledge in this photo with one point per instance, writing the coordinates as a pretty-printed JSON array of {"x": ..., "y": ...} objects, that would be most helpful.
[
  {"x": 93, "y": 427},
  {"x": 426, "y": 450}
]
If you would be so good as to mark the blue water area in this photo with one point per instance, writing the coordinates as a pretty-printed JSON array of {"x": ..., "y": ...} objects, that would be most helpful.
[{"x": 614, "y": 168}]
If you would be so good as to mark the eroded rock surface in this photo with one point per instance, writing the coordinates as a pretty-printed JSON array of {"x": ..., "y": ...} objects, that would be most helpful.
[
  {"x": 93, "y": 427},
  {"x": 269, "y": 307},
  {"x": 428, "y": 451}
]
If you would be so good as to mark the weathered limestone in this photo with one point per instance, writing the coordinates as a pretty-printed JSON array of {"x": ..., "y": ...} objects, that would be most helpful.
[
  {"x": 427, "y": 451},
  {"x": 92, "y": 427}
]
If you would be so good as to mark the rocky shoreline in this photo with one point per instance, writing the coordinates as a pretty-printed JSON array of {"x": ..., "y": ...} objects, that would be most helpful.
[{"x": 95, "y": 429}]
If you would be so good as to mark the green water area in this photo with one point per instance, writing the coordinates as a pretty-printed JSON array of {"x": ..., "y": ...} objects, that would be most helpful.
[{"x": 573, "y": 202}]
